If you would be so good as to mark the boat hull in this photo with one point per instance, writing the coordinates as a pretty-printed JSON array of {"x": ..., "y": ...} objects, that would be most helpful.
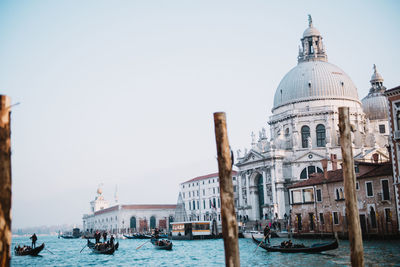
[
  {"x": 108, "y": 250},
  {"x": 31, "y": 252},
  {"x": 315, "y": 248},
  {"x": 168, "y": 245}
]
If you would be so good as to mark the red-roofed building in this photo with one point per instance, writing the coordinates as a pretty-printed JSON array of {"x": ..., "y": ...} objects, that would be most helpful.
[
  {"x": 393, "y": 97},
  {"x": 318, "y": 204},
  {"x": 201, "y": 200}
]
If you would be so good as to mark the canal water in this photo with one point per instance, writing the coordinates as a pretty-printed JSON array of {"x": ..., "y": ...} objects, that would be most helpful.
[{"x": 199, "y": 253}]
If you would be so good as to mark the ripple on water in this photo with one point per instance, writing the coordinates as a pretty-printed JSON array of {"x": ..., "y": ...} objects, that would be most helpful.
[{"x": 200, "y": 253}]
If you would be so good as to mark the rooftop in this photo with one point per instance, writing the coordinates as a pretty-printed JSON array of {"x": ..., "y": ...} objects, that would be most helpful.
[{"x": 212, "y": 175}]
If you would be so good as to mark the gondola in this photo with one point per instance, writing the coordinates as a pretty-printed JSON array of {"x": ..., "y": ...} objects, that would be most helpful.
[
  {"x": 164, "y": 244},
  {"x": 296, "y": 248},
  {"x": 105, "y": 249},
  {"x": 29, "y": 251},
  {"x": 138, "y": 236}
]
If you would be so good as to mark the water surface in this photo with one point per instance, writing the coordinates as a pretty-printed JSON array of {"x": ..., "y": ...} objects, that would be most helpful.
[{"x": 199, "y": 253}]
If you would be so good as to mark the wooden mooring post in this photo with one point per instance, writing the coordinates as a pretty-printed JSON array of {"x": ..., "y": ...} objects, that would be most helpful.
[
  {"x": 5, "y": 181},
  {"x": 349, "y": 177},
  {"x": 228, "y": 215}
]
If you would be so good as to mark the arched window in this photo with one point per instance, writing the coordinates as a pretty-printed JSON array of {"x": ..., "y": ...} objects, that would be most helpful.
[
  {"x": 305, "y": 133},
  {"x": 152, "y": 222},
  {"x": 320, "y": 135},
  {"x": 305, "y": 173},
  {"x": 133, "y": 223}
]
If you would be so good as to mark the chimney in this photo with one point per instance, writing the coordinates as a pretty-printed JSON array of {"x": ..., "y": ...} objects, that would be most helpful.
[
  {"x": 334, "y": 161},
  {"x": 325, "y": 167}
]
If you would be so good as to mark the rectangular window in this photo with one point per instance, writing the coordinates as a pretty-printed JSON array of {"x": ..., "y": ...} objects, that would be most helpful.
[
  {"x": 335, "y": 217},
  {"x": 321, "y": 218},
  {"x": 385, "y": 190},
  {"x": 296, "y": 196},
  {"x": 189, "y": 194},
  {"x": 370, "y": 192},
  {"x": 204, "y": 204},
  {"x": 183, "y": 194},
  {"x": 357, "y": 186},
  {"x": 339, "y": 193},
  {"x": 234, "y": 188},
  {"x": 308, "y": 195},
  {"x": 213, "y": 190},
  {"x": 356, "y": 169},
  {"x": 190, "y": 206},
  {"x": 382, "y": 129},
  {"x": 398, "y": 119},
  {"x": 319, "y": 195},
  {"x": 219, "y": 204},
  {"x": 204, "y": 192},
  {"x": 388, "y": 215}
]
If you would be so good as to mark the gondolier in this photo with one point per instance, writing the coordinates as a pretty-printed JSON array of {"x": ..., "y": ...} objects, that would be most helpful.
[
  {"x": 34, "y": 239},
  {"x": 267, "y": 232}
]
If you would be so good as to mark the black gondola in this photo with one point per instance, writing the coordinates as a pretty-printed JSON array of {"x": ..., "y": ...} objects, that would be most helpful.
[
  {"x": 296, "y": 248},
  {"x": 103, "y": 248},
  {"x": 28, "y": 250},
  {"x": 162, "y": 244}
]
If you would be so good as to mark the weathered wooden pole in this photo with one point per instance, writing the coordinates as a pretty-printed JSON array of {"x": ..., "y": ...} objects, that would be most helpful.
[
  {"x": 5, "y": 181},
  {"x": 349, "y": 177},
  {"x": 229, "y": 223}
]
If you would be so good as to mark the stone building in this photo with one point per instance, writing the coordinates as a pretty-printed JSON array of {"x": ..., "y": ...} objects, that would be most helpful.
[
  {"x": 304, "y": 130},
  {"x": 121, "y": 218},
  {"x": 393, "y": 96},
  {"x": 201, "y": 200},
  {"x": 318, "y": 204}
]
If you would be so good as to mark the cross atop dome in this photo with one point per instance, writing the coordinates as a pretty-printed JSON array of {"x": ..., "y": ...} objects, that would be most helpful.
[{"x": 312, "y": 46}]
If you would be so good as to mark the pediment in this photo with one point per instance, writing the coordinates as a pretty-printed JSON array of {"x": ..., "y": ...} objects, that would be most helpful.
[
  {"x": 367, "y": 155},
  {"x": 251, "y": 156},
  {"x": 309, "y": 156}
]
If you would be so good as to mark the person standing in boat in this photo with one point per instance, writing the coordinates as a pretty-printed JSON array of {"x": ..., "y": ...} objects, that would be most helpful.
[
  {"x": 97, "y": 236},
  {"x": 156, "y": 233},
  {"x": 105, "y": 236},
  {"x": 34, "y": 239},
  {"x": 267, "y": 231},
  {"x": 112, "y": 240}
]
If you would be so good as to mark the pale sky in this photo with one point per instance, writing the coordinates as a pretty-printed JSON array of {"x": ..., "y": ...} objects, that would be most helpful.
[{"x": 123, "y": 92}]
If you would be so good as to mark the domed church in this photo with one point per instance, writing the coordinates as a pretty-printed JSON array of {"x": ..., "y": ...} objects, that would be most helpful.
[{"x": 304, "y": 130}]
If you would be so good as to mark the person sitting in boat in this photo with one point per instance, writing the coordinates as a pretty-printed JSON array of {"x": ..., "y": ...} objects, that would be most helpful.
[
  {"x": 267, "y": 231},
  {"x": 105, "y": 236},
  {"x": 289, "y": 244},
  {"x": 34, "y": 239}
]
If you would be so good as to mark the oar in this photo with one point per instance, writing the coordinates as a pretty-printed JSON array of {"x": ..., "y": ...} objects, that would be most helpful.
[
  {"x": 49, "y": 251},
  {"x": 260, "y": 243},
  {"x": 83, "y": 248},
  {"x": 143, "y": 244}
]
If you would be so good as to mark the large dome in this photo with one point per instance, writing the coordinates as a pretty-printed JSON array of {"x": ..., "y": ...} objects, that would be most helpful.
[
  {"x": 313, "y": 80},
  {"x": 375, "y": 106}
]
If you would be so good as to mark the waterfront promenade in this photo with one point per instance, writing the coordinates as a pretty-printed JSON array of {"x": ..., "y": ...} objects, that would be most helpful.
[{"x": 200, "y": 253}]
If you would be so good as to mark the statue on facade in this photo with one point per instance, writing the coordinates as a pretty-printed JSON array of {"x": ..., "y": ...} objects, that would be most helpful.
[
  {"x": 264, "y": 134},
  {"x": 309, "y": 142},
  {"x": 238, "y": 153}
]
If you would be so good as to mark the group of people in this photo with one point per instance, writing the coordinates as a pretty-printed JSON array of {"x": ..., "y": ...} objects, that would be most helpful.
[{"x": 97, "y": 237}]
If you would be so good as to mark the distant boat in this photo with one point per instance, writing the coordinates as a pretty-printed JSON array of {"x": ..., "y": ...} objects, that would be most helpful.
[
  {"x": 26, "y": 250},
  {"x": 138, "y": 236},
  {"x": 76, "y": 233}
]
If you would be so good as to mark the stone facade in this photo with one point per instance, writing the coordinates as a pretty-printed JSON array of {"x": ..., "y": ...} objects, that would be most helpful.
[
  {"x": 201, "y": 200},
  {"x": 304, "y": 130},
  {"x": 127, "y": 218},
  {"x": 393, "y": 96},
  {"x": 318, "y": 204}
]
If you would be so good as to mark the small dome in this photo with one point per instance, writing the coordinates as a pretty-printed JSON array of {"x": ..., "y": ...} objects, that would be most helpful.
[
  {"x": 375, "y": 106},
  {"x": 314, "y": 80},
  {"x": 376, "y": 77},
  {"x": 311, "y": 31}
]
